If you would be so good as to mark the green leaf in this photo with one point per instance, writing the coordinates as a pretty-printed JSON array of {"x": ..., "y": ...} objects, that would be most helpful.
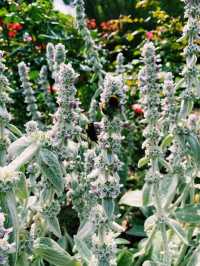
[
  {"x": 83, "y": 249},
  {"x": 186, "y": 108},
  {"x": 143, "y": 161},
  {"x": 14, "y": 130},
  {"x": 51, "y": 169},
  {"x": 53, "y": 225},
  {"x": 178, "y": 230},
  {"x": 109, "y": 206},
  {"x": 132, "y": 198},
  {"x": 195, "y": 258},
  {"x": 51, "y": 252},
  {"x": 168, "y": 187},
  {"x": 193, "y": 147},
  {"x": 167, "y": 141},
  {"x": 21, "y": 188},
  {"x": 137, "y": 229},
  {"x": 147, "y": 194},
  {"x": 125, "y": 258},
  {"x": 12, "y": 207},
  {"x": 189, "y": 214}
]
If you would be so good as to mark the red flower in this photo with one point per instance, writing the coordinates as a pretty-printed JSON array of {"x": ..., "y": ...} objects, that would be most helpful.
[
  {"x": 149, "y": 35},
  {"x": 137, "y": 109},
  {"x": 15, "y": 26},
  {"x": 91, "y": 24},
  {"x": 12, "y": 34}
]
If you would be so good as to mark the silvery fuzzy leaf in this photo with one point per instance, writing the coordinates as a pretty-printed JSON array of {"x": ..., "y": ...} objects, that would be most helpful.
[
  {"x": 83, "y": 249},
  {"x": 149, "y": 263},
  {"x": 21, "y": 188},
  {"x": 51, "y": 169},
  {"x": 132, "y": 198},
  {"x": 12, "y": 207},
  {"x": 109, "y": 207},
  {"x": 18, "y": 146},
  {"x": 189, "y": 214},
  {"x": 147, "y": 194},
  {"x": 168, "y": 187},
  {"x": 195, "y": 258},
  {"x": 51, "y": 252},
  {"x": 178, "y": 230},
  {"x": 53, "y": 225},
  {"x": 86, "y": 230},
  {"x": 150, "y": 223}
]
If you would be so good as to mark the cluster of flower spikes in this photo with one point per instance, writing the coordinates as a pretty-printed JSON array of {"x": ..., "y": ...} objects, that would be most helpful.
[
  {"x": 191, "y": 74},
  {"x": 93, "y": 59},
  {"x": 55, "y": 55},
  {"x": 5, "y": 247},
  {"x": 30, "y": 100},
  {"x": 67, "y": 136},
  {"x": 105, "y": 181}
]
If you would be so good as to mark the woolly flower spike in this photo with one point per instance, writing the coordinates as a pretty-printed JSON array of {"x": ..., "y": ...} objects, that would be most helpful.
[
  {"x": 120, "y": 68},
  {"x": 192, "y": 8},
  {"x": 31, "y": 127},
  {"x": 28, "y": 92},
  {"x": 4, "y": 83},
  {"x": 150, "y": 98},
  {"x": 66, "y": 117},
  {"x": 50, "y": 54},
  {"x": 169, "y": 114},
  {"x": 5, "y": 247},
  {"x": 105, "y": 251},
  {"x": 191, "y": 73},
  {"x": 113, "y": 95},
  {"x": 60, "y": 53}
]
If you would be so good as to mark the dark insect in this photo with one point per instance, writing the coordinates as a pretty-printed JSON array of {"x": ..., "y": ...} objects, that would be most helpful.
[
  {"x": 111, "y": 107},
  {"x": 92, "y": 131}
]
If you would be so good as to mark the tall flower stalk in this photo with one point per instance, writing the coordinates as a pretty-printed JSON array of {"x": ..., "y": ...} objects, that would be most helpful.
[
  {"x": 4, "y": 115},
  {"x": 105, "y": 181},
  {"x": 191, "y": 74},
  {"x": 30, "y": 100},
  {"x": 151, "y": 100},
  {"x": 93, "y": 57}
]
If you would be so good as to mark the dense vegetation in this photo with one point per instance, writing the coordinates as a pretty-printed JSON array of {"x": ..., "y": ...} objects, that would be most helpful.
[{"x": 99, "y": 133}]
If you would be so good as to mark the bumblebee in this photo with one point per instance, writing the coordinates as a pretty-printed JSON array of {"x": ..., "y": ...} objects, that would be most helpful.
[
  {"x": 92, "y": 130},
  {"x": 111, "y": 107}
]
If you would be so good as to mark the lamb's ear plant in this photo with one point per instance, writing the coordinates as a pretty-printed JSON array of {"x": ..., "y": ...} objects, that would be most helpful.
[{"x": 172, "y": 151}]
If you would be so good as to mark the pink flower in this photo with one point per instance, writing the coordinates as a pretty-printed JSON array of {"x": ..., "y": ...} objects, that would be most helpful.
[{"x": 149, "y": 35}]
